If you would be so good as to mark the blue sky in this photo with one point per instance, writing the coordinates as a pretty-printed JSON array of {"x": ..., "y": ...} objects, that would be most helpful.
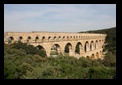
[{"x": 58, "y": 17}]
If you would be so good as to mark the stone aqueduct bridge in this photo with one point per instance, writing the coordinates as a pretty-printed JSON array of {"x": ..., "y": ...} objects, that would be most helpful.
[{"x": 90, "y": 45}]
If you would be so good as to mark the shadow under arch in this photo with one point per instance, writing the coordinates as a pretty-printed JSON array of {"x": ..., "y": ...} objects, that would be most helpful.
[
  {"x": 36, "y": 39},
  {"x": 55, "y": 50},
  {"x": 28, "y": 39},
  {"x": 92, "y": 56},
  {"x": 97, "y": 55},
  {"x": 92, "y": 46},
  {"x": 78, "y": 47},
  {"x": 86, "y": 46},
  {"x": 10, "y": 39},
  {"x": 20, "y": 39},
  {"x": 42, "y": 50},
  {"x": 68, "y": 48},
  {"x": 96, "y": 44}
]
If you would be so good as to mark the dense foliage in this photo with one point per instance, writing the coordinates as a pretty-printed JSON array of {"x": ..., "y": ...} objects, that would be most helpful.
[{"x": 22, "y": 61}]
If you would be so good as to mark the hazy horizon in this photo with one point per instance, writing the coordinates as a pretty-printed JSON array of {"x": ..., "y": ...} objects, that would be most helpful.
[{"x": 58, "y": 31}]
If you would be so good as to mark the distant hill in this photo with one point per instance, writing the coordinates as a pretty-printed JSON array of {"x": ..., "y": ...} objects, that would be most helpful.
[{"x": 110, "y": 39}]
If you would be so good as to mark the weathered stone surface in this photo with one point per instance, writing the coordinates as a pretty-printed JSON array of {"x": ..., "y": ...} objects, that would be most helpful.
[{"x": 92, "y": 42}]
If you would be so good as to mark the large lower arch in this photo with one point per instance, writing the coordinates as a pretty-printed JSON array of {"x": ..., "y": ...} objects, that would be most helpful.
[
  {"x": 10, "y": 40},
  {"x": 42, "y": 51},
  {"x": 91, "y": 46},
  {"x": 78, "y": 47},
  {"x": 55, "y": 50},
  {"x": 68, "y": 48},
  {"x": 86, "y": 46}
]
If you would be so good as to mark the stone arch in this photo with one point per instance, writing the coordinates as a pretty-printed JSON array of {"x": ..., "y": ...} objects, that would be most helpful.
[
  {"x": 87, "y": 56},
  {"x": 42, "y": 49},
  {"x": 74, "y": 37},
  {"x": 96, "y": 44},
  {"x": 78, "y": 47},
  {"x": 55, "y": 50},
  {"x": 43, "y": 38},
  {"x": 20, "y": 38},
  {"x": 68, "y": 48},
  {"x": 59, "y": 37},
  {"x": 54, "y": 38},
  {"x": 100, "y": 52},
  {"x": 63, "y": 38},
  {"x": 86, "y": 46},
  {"x": 92, "y": 46},
  {"x": 67, "y": 37},
  {"x": 92, "y": 56},
  {"x": 10, "y": 40},
  {"x": 97, "y": 55},
  {"x": 37, "y": 39},
  {"x": 100, "y": 43},
  {"x": 28, "y": 39},
  {"x": 49, "y": 38}
]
